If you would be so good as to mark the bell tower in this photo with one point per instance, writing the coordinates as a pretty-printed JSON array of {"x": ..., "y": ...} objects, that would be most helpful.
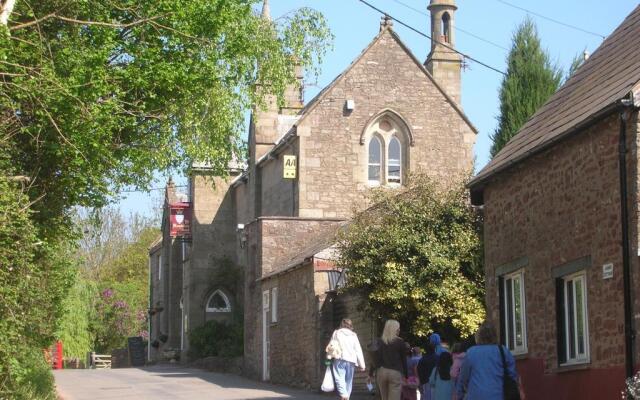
[{"x": 444, "y": 64}]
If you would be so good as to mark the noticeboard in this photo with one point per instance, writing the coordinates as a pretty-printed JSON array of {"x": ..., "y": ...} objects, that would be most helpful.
[
  {"x": 136, "y": 348},
  {"x": 290, "y": 166}
]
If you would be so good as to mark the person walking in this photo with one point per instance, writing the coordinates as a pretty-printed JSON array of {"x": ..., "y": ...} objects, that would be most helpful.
[
  {"x": 440, "y": 381},
  {"x": 410, "y": 389},
  {"x": 482, "y": 372},
  {"x": 457, "y": 352},
  {"x": 425, "y": 366},
  {"x": 346, "y": 353},
  {"x": 390, "y": 364}
]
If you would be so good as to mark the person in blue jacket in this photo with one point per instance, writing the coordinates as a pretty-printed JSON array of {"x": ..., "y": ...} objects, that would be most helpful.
[{"x": 482, "y": 374}]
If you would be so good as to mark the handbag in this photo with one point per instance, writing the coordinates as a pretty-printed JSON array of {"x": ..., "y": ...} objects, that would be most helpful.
[
  {"x": 328, "y": 383},
  {"x": 509, "y": 385}
]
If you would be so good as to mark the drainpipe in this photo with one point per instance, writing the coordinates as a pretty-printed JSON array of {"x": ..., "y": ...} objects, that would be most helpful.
[{"x": 629, "y": 332}]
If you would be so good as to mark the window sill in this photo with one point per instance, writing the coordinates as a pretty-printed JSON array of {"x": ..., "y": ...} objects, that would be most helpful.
[
  {"x": 521, "y": 356},
  {"x": 575, "y": 366}
]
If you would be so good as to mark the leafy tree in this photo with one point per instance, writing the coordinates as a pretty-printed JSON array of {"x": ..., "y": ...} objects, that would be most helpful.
[
  {"x": 415, "y": 256},
  {"x": 531, "y": 79},
  {"x": 33, "y": 282},
  {"x": 97, "y": 95}
]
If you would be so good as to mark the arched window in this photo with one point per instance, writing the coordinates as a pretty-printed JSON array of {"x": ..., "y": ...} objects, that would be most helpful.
[
  {"x": 446, "y": 27},
  {"x": 394, "y": 161},
  {"x": 375, "y": 160},
  {"x": 218, "y": 302}
]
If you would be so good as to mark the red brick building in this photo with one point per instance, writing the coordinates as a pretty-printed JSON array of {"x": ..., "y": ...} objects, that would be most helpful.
[{"x": 561, "y": 230}]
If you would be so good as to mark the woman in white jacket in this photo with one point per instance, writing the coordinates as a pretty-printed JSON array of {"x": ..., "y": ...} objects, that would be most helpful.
[{"x": 346, "y": 352}]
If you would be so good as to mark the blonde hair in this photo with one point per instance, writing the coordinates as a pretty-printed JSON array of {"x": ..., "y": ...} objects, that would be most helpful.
[{"x": 390, "y": 332}]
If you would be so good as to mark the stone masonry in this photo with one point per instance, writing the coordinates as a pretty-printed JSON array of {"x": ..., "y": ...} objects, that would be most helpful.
[{"x": 554, "y": 208}]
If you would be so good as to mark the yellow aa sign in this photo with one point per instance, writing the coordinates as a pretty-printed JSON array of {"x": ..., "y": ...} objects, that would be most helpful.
[{"x": 289, "y": 167}]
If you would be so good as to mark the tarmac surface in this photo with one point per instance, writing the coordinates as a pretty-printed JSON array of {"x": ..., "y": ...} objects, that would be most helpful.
[{"x": 164, "y": 382}]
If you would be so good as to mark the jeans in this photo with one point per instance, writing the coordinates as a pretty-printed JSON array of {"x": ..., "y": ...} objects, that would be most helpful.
[{"x": 343, "y": 372}]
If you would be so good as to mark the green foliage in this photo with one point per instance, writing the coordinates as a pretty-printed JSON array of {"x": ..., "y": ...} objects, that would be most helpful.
[
  {"x": 416, "y": 257},
  {"x": 576, "y": 63},
  {"x": 74, "y": 330},
  {"x": 34, "y": 276},
  {"x": 216, "y": 338},
  {"x": 99, "y": 95},
  {"x": 531, "y": 79}
]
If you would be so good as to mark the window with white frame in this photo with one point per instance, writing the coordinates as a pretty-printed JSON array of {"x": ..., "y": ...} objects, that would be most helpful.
[
  {"x": 375, "y": 161},
  {"x": 274, "y": 304},
  {"x": 387, "y": 141},
  {"x": 394, "y": 161},
  {"x": 513, "y": 310},
  {"x": 218, "y": 302},
  {"x": 573, "y": 329}
]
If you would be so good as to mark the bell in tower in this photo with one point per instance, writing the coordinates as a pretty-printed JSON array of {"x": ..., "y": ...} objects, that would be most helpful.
[{"x": 444, "y": 64}]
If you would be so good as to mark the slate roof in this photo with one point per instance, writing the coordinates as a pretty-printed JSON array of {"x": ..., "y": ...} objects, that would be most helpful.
[
  {"x": 322, "y": 241},
  {"x": 595, "y": 90}
]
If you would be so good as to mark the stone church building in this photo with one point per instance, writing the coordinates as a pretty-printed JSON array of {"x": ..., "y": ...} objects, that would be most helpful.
[{"x": 260, "y": 241}]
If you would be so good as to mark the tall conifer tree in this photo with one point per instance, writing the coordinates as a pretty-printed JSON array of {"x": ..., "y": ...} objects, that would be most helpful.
[{"x": 531, "y": 78}]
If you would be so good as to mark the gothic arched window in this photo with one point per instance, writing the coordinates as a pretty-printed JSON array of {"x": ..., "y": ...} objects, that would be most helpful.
[
  {"x": 394, "y": 161},
  {"x": 446, "y": 27},
  {"x": 218, "y": 302},
  {"x": 375, "y": 160}
]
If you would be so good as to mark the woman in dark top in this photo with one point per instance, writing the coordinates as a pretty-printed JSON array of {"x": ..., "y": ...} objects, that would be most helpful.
[{"x": 390, "y": 361}]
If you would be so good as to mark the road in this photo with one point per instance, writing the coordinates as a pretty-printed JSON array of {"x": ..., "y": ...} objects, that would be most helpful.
[{"x": 166, "y": 382}]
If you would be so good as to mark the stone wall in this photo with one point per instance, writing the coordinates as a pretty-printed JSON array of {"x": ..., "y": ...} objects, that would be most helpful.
[
  {"x": 270, "y": 239},
  {"x": 213, "y": 247},
  {"x": 331, "y": 154},
  {"x": 559, "y": 206},
  {"x": 278, "y": 194}
]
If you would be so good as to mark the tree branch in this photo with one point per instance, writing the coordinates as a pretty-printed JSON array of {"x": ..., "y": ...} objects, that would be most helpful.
[
  {"x": 82, "y": 22},
  {"x": 6, "y": 8}
]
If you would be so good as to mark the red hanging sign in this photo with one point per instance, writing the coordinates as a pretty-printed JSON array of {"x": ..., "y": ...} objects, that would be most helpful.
[{"x": 180, "y": 220}]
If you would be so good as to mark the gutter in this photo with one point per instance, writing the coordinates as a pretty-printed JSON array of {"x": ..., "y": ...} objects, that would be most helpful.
[{"x": 629, "y": 332}]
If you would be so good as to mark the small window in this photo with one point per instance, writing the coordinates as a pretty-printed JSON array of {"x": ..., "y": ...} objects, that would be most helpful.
[
  {"x": 446, "y": 27},
  {"x": 513, "y": 312},
  {"x": 573, "y": 340},
  {"x": 160, "y": 267},
  {"x": 394, "y": 169},
  {"x": 218, "y": 302},
  {"x": 274, "y": 304},
  {"x": 375, "y": 161}
]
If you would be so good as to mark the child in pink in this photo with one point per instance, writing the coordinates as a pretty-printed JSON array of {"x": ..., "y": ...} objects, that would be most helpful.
[{"x": 458, "y": 357}]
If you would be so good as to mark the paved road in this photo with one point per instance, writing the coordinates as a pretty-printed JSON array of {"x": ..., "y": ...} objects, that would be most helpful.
[{"x": 166, "y": 382}]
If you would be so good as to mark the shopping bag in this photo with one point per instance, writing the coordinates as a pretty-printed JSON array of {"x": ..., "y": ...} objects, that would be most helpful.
[{"x": 328, "y": 385}]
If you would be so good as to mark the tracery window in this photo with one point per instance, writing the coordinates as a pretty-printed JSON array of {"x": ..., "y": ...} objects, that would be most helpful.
[
  {"x": 387, "y": 141},
  {"x": 218, "y": 302}
]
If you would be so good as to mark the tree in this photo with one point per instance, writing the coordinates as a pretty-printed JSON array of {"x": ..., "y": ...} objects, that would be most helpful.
[
  {"x": 416, "y": 257},
  {"x": 531, "y": 79},
  {"x": 97, "y": 95}
]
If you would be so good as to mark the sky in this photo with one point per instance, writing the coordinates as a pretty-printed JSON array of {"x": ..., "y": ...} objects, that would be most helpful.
[{"x": 477, "y": 22}]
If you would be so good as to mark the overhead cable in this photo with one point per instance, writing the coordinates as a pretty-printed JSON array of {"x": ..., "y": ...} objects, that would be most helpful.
[
  {"x": 457, "y": 28},
  {"x": 466, "y": 56},
  {"x": 551, "y": 19}
]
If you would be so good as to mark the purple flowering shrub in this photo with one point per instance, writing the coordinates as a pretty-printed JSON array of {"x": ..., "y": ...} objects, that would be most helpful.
[{"x": 116, "y": 319}]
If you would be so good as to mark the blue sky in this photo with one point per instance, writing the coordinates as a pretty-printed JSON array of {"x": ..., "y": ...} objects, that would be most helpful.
[{"x": 354, "y": 25}]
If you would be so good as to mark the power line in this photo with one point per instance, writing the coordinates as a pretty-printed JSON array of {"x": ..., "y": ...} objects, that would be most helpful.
[
  {"x": 150, "y": 189},
  {"x": 457, "y": 28},
  {"x": 551, "y": 19},
  {"x": 429, "y": 37}
]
